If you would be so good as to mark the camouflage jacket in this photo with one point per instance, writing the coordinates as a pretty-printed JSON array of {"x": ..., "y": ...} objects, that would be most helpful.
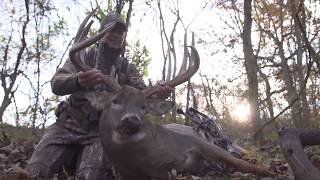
[{"x": 77, "y": 113}]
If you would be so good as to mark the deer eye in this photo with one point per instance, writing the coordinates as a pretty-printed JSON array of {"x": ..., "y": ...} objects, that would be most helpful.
[
  {"x": 116, "y": 104},
  {"x": 115, "y": 101},
  {"x": 143, "y": 109}
]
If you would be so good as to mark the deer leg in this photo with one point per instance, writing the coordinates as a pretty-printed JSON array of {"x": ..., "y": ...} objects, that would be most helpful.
[{"x": 212, "y": 152}]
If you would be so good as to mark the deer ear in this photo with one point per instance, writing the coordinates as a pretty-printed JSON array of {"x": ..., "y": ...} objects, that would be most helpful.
[
  {"x": 98, "y": 99},
  {"x": 158, "y": 107}
]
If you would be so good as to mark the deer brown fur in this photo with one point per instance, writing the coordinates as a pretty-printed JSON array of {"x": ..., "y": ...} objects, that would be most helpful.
[{"x": 140, "y": 150}]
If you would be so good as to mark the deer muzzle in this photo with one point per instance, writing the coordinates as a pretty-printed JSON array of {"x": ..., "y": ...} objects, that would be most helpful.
[{"x": 130, "y": 124}]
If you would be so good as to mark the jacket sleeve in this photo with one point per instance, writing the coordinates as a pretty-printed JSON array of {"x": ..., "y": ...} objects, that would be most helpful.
[
  {"x": 65, "y": 80},
  {"x": 134, "y": 78}
]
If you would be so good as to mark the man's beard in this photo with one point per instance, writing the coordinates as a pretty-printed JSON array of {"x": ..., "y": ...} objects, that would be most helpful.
[
  {"x": 111, "y": 53},
  {"x": 107, "y": 56}
]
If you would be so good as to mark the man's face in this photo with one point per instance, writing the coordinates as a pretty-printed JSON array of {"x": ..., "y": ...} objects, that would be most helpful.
[{"x": 114, "y": 38}]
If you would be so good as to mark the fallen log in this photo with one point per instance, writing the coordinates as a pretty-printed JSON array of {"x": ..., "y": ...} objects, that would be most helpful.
[{"x": 292, "y": 142}]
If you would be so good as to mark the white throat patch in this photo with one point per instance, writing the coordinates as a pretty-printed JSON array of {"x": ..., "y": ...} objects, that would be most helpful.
[{"x": 119, "y": 139}]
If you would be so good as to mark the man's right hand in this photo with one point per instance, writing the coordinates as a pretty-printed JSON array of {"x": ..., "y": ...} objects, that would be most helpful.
[{"x": 89, "y": 78}]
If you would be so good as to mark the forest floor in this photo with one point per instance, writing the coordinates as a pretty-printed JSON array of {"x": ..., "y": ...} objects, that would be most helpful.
[{"x": 17, "y": 144}]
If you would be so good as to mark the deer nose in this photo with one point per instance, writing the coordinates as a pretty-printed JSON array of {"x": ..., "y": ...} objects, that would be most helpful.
[{"x": 131, "y": 120}]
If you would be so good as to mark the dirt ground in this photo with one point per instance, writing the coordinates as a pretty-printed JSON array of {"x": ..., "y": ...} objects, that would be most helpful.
[{"x": 17, "y": 144}]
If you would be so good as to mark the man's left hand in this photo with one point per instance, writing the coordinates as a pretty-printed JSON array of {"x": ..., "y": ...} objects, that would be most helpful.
[{"x": 163, "y": 91}]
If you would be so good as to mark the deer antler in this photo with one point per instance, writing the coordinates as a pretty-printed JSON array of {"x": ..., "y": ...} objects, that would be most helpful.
[
  {"x": 192, "y": 69},
  {"x": 183, "y": 77},
  {"x": 81, "y": 41}
]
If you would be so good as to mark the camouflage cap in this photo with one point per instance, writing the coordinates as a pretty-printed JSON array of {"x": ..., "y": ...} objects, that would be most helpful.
[{"x": 113, "y": 17}]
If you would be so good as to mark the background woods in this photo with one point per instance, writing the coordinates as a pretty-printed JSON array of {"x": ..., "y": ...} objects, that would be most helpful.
[
  {"x": 261, "y": 53},
  {"x": 259, "y": 68}
]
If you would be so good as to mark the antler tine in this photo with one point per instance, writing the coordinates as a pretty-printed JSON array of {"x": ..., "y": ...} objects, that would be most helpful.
[
  {"x": 82, "y": 37},
  {"x": 92, "y": 40},
  {"x": 82, "y": 32},
  {"x": 81, "y": 42},
  {"x": 84, "y": 22},
  {"x": 85, "y": 31},
  {"x": 193, "y": 67},
  {"x": 186, "y": 54},
  {"x": 186, "y": 75},
  {"x": 111, "y": 82}
]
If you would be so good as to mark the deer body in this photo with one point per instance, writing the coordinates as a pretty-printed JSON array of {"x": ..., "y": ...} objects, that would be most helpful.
[
  {"x": 140, "y": 150},
  {"x": 154, "y": 155},
  {"x": 143, "y": 159}
]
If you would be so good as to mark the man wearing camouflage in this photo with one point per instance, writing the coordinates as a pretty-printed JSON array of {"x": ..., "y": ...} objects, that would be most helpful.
[{"x": 74, "y": 138}]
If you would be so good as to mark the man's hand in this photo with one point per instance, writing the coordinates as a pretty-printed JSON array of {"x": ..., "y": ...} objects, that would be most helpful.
[
  {"x": 163, "y": 91},
  {"x": 89, "y": 78}
]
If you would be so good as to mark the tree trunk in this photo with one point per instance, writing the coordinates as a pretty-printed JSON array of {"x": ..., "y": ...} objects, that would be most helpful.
[
  {"x": 5, "y": 103},
  {"x": 305, "y": 121},
  {"x": 291, "y": 91},
  {"x": 286, "y": 72},
  {"x": 251, "y": 70},
  {"x": 268, "y": 97},
  {"x": 8, "y": 86}
]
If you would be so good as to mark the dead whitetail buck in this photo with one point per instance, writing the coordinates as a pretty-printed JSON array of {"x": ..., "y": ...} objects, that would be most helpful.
[{"x": 138, "y": 149}]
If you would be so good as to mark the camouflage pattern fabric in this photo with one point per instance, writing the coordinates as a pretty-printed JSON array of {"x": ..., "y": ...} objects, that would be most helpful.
[
  {"x": 52, "y": 153},
  {"x": 93, "y": 163},
  {"x": 74, "y": 137}
]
